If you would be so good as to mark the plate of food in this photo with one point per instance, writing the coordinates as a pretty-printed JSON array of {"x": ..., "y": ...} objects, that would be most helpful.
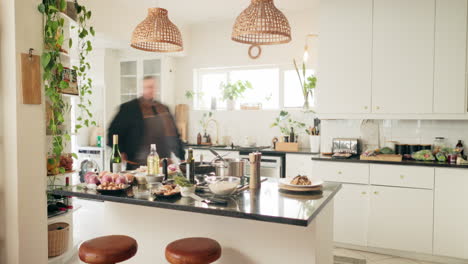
[
  {"x": 112, "y": 188},
  {"x": 301, "y": 181},
  {"x": 167, "y": 191}
]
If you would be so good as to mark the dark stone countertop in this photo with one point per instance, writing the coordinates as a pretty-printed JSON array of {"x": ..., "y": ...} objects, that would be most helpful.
[
  {"x": 250, "y": 149},
  {"x": 267, "y": 204},
  {"x": 404, "y": 162}
]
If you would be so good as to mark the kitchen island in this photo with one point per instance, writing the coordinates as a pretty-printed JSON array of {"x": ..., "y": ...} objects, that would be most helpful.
[{"x": 264, "y": 226}]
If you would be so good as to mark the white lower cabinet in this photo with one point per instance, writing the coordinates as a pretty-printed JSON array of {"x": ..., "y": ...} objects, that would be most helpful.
[
  {"x": 298, "y": 164},
  {"x": 401, "y": 219},
  {"x": 451, "y": 213},
  {"x": 351, "y": 214}
]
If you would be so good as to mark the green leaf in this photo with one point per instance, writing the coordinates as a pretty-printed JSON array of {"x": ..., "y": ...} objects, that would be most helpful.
[
  {"x": 67, "y": 137},
  {"x": 63, "y": 5},
  {"x": 70, "y": 43},
  {"x": 63, "y": 85},
  {"x": 74, "y": 155},
  {"x": 41, "y": 8},
  {"x": 91, "y": 30},
  {"x": 45, "y": 59}
]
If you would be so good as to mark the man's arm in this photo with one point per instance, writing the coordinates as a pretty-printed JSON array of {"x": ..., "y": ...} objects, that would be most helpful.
[{"x": 117, "y": 126}]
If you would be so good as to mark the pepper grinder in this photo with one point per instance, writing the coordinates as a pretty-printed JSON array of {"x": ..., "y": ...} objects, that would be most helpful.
[{"x": 254, "y": 159}]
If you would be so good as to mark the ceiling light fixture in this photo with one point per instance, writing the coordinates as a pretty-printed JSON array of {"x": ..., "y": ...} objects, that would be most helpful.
[
  {"x": 157, "y": 33},
  {"x": 261, "y": 23}
]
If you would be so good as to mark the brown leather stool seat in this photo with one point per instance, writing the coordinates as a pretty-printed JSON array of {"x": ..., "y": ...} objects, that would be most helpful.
[
  {"x": 108, "y": 249},
  {"x": 193, "y": 250}
]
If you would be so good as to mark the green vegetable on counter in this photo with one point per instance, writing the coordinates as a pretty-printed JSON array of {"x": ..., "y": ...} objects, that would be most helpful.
[
  {"x": 424, "y": 155},
  {"x": 182, "y": 181},
  {"x": 386, "y": 150}
]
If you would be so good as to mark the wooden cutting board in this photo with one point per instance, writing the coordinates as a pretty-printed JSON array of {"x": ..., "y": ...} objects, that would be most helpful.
[
  {"x": 31, "y": 78},
  {"x": 181, "y": 116},
  {"x": 383, "y": 157},
  {"x": 300, "y": 189}
]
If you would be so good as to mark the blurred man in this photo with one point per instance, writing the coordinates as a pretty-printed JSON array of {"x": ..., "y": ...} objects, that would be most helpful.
[{"x": 142, "y": 122}]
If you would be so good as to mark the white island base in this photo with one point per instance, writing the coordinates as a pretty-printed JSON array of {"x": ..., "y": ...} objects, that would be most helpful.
[{"x": 243, "y": 241}]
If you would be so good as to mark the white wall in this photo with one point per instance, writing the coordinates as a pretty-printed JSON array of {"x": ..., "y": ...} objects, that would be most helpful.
[
  {"x": 24, "y": 153},
  {"x": 211, "y": 46}
]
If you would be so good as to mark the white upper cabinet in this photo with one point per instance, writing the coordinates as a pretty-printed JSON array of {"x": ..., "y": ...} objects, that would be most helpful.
[
  {"x": 450, "y": 56},
  {"x": 345, "y": 56},
  {"x": 403, "y": 56}
]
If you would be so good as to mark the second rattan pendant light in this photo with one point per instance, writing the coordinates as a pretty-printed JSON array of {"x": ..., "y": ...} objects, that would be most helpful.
[
  {"x": 157, "y": 33},
  {"x": 261, "y": 24}
]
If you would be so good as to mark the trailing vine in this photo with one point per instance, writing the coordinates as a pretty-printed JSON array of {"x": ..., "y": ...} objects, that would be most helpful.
[
  {"x": 85, "y": 83},
  {"x": 53, "y": 69},
  {"x": 52, "y": 74}
]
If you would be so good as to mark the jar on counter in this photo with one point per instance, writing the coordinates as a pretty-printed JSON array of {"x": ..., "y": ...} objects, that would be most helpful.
[{"x": 439, "y": 144}]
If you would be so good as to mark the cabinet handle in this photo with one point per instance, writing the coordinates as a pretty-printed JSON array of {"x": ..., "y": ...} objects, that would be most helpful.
[
  {"x": 363, "y": 193},
  {"x": 376, "y": 193},
  {"x": 339, "y": 172},
  {"x": 402, "y": 177},
  {"x": 365, "y": 107},
  {"x": 377, "y": 107}
]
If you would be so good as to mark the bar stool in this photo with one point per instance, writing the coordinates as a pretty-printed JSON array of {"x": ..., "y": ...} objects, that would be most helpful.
[
  {"x": 193, "y": 250},
  {"x": 108, "y": 249}
]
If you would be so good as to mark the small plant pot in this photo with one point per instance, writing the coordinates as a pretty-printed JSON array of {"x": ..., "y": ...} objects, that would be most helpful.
[
  {"x": 231, "y": 104},
  {"x": 187, "y": 191}
]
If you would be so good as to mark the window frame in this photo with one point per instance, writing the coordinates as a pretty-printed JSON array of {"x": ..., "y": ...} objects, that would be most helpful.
[{"x": 282, "y": 68}]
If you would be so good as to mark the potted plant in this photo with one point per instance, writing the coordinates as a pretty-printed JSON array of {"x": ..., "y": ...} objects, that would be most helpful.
[
  {"x": 234, "y": 91},
  {"x": 285, "y": 122},
  {"x": 308, "y": 83},
  {"x": 186, "y": 188}
]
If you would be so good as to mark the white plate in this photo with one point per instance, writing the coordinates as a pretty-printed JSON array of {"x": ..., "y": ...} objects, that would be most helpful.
[{"x": 315, "y": 182}]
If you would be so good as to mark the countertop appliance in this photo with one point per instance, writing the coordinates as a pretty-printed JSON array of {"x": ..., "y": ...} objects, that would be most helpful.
[
  {"x": 345, "y": 145},
  {"x": 271, "y": 165}
]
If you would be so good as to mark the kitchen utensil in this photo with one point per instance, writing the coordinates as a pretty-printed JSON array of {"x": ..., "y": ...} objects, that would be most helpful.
[
  {"x": 199, "y": 168},
  {"x": 209, "y": 201},
  {"x": 230, "y": 167},
  {"x": 224, "y": 186},
  {"x": 255, "y": 160},
  {"x": 216, "y": 154}
]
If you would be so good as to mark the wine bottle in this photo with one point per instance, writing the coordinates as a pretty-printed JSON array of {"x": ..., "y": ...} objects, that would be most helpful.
[
  {"x": 292, "y": 137},
  {"x": 153, "y": 161},
  {"x": 190, "y": 168},
  {"x": 116, "y": 158}
]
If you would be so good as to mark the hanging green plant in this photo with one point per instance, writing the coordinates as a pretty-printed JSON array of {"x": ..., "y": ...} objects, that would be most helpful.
[
  {"x": 85, "y": 84},
  {"x": 52, "y": 74},
  {"x": 53, "y": 70}
]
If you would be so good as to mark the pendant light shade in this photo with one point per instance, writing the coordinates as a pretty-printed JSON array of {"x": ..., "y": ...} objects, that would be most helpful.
[
  {"x": 261, "y": 24},
  {"x": 157, "y": 33}
]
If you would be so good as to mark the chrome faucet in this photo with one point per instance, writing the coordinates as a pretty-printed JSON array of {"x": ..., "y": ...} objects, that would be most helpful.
[{"x": 217, "y": 129}]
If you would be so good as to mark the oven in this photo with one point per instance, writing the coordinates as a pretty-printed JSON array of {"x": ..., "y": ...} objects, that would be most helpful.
[{"x": 271, "y": 165}]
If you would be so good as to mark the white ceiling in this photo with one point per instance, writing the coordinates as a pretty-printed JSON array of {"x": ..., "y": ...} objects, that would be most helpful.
[{"x": 114, "y": 20}]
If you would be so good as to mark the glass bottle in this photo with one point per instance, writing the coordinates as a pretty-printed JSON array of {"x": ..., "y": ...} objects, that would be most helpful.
[
  {"x": 116, "y": 158},
  {"x": 153, "y": 161}
]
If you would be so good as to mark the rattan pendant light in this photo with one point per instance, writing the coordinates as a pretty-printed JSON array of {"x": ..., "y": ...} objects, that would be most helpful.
[
  {"x": 261, "y": 24},
  {"x": 157, "y": 33}
]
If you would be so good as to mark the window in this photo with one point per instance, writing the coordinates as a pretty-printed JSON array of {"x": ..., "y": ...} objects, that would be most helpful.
[
  {"x": 292, "y": 92},
  {"x": 272, "y": 87}
]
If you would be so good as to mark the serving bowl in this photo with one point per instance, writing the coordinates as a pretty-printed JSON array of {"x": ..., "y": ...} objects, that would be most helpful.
[{"x": 223, "y": 185}]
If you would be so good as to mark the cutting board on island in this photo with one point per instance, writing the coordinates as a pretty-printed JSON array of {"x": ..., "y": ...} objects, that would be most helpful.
[
  {"x": 181, "y": 117},
  {"x": 383, "y": 157}
]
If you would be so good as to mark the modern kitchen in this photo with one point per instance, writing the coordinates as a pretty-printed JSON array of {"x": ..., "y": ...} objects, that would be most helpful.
[{"x": 222, "y": 131}]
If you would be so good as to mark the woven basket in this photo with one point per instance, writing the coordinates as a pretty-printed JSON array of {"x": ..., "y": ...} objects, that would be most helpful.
[{"x": 58, "y": 238}]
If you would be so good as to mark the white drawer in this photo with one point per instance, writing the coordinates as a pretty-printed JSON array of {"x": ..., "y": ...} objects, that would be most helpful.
[
  {"x": 402, "y": 176},
  {"x": 341, "y": 172}
]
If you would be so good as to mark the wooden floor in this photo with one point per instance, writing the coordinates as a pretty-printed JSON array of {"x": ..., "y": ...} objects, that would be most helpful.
[{"x": 373, "y": 258}]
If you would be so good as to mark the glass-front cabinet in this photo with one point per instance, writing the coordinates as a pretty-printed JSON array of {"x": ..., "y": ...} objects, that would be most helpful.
[{"x": 132, "y": 73}]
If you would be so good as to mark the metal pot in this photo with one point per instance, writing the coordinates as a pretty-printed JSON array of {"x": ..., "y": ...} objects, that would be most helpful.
[{"x": 230, "y": 167}]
